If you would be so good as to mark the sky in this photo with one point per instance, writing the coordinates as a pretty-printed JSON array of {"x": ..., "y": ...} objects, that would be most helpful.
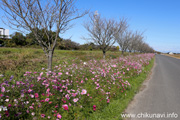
[{"x": 158, "y": 19}]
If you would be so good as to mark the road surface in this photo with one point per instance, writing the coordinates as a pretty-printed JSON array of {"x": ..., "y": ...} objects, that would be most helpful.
[{"x": 160, "y": 99}]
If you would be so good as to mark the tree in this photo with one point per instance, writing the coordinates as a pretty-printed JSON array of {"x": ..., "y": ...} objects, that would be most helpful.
[
  {"x": 123, "y": 39},
  {"x": 101, "y": 31},
  {"x": 31, "y": 39},
  {"x": 67, "y": 44},
  {"x": 136, "y": 38},
  {"x": 19, "y": 39},
  {"x": 35, "y": 15}
]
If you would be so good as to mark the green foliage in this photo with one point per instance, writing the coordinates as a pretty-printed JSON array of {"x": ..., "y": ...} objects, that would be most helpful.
[{"x": 18, "y": 39}]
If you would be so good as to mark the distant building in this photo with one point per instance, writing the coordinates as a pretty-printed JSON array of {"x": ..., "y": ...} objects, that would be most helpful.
[
  {"x": 4, "y": 33},
  {"x": 171, "y": 53}
]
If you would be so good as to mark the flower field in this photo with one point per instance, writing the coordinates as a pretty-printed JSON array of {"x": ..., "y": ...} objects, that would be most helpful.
[{"x": 72, "y": 90}]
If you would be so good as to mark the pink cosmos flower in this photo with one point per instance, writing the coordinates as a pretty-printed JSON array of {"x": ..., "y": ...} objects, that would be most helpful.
[
  {"x": 32, "y": 96},
  {"x": 39, "y": 78},
  {"x": 29, "y": 90},
  {"x": 41, "y": 73},
  {"x": 74, "y": 94},
  {"x": 75, "y": 99},
  {"x": 114, "y": 66},
  {"x": 47, "y": 99},
  {"x": 69, "y": 104},
  {"x": 65, "y": 106},
  {"x": 67, "y": 96},
  {"x": 2, "y": 89},
  {"x": 83, "y": 92},
  {"x": 31, "y": 107},
  {"x": 59, "y": 116},
  {"x": 32, "y": 113},
  {"x": 108, "y": 100},
  {"x": 59, "y": 73},
  {"x": 47, "y": 91}
]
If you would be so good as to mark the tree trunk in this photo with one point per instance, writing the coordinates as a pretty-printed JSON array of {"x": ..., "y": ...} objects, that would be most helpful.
[
  {"x": 122, "y": 52},
  {"x": 50, "y": 56},
  {"x": 104, "y": 54}
]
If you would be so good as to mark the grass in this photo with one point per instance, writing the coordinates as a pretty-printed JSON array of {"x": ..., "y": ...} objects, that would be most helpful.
[
  {"x": 116, "y": 107},
  {"x": 16, "y": 61}
]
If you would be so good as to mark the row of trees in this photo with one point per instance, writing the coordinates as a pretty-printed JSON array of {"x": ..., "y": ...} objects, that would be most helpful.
[
  {"x": 105, "y": 32},
  {"x": 46, "y": 20},
  {"x": 19, "y": 40}
]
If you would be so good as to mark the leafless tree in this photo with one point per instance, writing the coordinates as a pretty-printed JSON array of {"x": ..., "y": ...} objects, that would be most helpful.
[
  {"x": 102, "y": 30},
  {"x": 136, "y": 38},
  {"x": 123, "y": 39},
  {"x": 145, "y": 48},
  {"x": 35, "y": 15}
]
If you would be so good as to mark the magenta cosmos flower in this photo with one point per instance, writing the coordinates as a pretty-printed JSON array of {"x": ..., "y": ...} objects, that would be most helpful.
[
  {"x": 65, "y": 106},
  {"x": 94, "y": 107},
  {"x": 36, "y": 95},
  {"x": 42, "y": 115}
]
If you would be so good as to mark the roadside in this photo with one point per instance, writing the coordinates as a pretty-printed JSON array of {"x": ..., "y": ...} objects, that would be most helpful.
[
  {"x": 143, "y": 88},
  {"x": 173, "y": 55},
  {"x": 160, "y": 99},
  {"x": 117, "y": 107}
]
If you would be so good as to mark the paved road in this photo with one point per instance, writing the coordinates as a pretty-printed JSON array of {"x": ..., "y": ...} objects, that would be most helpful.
[{"x": 162, "y": 92}]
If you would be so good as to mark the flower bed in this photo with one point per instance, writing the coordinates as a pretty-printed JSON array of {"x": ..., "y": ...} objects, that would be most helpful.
[{"x": 70, "y": 91}]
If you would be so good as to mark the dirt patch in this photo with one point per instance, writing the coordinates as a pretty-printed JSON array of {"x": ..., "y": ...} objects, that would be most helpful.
[{"x": 174, "y": 55}]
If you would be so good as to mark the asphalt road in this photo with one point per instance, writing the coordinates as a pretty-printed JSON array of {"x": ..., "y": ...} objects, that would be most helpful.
[{"x": 161, "y": 95}]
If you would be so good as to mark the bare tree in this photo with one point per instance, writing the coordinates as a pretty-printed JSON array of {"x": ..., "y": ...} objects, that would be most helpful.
[
  {"x": 123, "y": 39},
  {"x": 101, "y": 31},
  {"x": 145, "y": 48},
  {"x": 35, "y": 15},
  {"x": 135, "y": 39}
]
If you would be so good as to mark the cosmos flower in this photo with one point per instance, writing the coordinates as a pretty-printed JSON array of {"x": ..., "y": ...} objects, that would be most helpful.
[
  {"x": 75, "y": 99},
  {"x": 83, "y": 92},
  {"x": 65, "y": 106},
  {"x": 2, "y": 89},
  {"x": 59, "y": 116}
]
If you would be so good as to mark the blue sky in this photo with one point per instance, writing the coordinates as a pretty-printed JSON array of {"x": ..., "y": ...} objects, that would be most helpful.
[{"x": 160, "y": 19}]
